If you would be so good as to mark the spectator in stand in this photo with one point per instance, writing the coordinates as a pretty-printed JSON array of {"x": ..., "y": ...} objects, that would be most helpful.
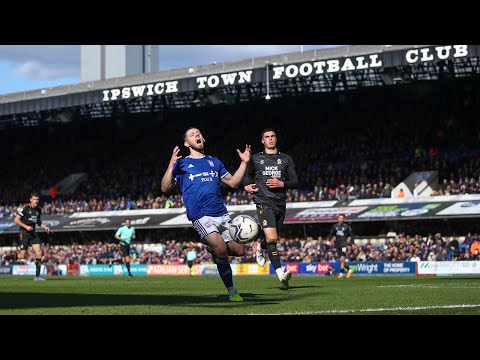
[
  {"x": 454, "y": 248},
  {"x": 467, "y": 242},
  {"x": 475, "y": 250},
  {"x": 442, "y": 254},
  {"x": 415, "y": 258}
]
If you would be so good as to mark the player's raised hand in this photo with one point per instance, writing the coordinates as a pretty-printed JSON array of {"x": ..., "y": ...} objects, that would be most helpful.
[
  {"x": 245, "y": 156},
  {"x": 251, "y": 188},
  {"x": 175, "y": 156}
]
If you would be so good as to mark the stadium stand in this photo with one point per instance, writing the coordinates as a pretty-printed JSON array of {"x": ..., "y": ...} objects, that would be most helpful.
[{"x": 345, "y": 148}]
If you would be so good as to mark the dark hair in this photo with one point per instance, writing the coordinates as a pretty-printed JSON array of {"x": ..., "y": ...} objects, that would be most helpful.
[
  {"x": 34, "y": 193},
  {"x": 185, "y": 133},
  {"x": 267, "y": 130},
  {"x": 128, "y": 219}
]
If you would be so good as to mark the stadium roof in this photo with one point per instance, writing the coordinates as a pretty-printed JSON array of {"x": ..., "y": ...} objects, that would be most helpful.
[
  {"x": 217, "y": 68},
  {"x": 333, "y": 69}
]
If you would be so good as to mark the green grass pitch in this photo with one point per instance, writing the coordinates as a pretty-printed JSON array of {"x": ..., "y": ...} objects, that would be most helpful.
[{"x": 308, "y": 295}]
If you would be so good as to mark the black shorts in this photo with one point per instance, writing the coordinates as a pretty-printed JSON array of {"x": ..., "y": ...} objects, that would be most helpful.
[
  {"x": 190, "y": 263},
  {"x": 125, "y": 249},
  {"x": 270, "y": 216},
  {"x": 341, "y": 249},
  {"x": 28, "y": 239}
]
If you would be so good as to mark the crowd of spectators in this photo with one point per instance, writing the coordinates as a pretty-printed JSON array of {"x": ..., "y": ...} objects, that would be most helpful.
[
  {"x": 343, "y": 194},
  {"x": 399, "y": 248}
]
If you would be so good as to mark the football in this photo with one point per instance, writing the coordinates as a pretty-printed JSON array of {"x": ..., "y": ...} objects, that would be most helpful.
[{"x": 243, "y": 229}]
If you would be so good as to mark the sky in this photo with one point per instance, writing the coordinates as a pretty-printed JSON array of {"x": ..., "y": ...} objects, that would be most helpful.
[{"x": 30, "y": 67}]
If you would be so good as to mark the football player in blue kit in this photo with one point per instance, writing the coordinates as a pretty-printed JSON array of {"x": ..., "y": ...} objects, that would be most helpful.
[{"x": 199, "y": 177}]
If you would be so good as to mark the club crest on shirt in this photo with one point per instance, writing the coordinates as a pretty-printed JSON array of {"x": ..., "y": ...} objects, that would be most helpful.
[
  {"x": 264, "y": 222},
  {"x": 208, "y": 224},
  {"x": 279, "y": 161},
  {"x": 211, "y": 163}
]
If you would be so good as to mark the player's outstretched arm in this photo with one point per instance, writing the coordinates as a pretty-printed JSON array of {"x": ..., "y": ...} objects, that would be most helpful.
[
  {"x": 167, "y": 181},
  {"x": 235, "y": 180}
]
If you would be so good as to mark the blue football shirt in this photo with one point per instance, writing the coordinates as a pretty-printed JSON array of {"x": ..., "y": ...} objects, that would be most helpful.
[{"x": 199, "y": 180}]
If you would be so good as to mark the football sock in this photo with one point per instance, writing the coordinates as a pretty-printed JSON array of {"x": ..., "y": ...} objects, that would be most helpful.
[
  {"x": 231, "y": 289},
  {"x": 225, "y": 271},
  {"x": 275, "y": 258},
  {"x": 38, "y": 264},
  {"x": 280, "y": 273}
]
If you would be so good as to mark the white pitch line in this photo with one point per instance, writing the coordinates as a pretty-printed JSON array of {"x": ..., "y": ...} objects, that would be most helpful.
[
  {"x": 413, "y": 285},
  {"x": 429, "y": 286},
  {"x": 414, "y": 308}
]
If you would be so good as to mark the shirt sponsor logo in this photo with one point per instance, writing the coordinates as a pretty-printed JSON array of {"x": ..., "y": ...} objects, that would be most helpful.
[{"x": 272, "y": 171}]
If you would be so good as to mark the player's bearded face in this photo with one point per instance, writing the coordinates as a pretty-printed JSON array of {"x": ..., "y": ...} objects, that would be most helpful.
[
  {"x": 195, "y": 140},
  {"x": 198, "y": 144}
]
